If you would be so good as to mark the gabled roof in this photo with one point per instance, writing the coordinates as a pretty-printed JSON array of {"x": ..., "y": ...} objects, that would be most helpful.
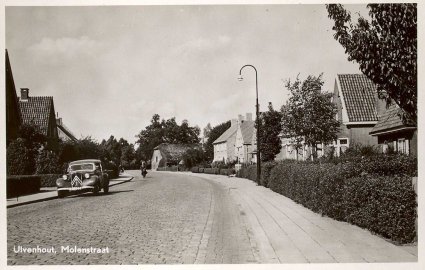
[
  {"x": 359, "y": 95},
  {"x": 231, "y": 131},
  {"x": 10, "y": 87},
  {"x": 66, "y": 131},
  {"x": 391, "y": 121},
  {"x": 247, "y": 130},
  {"x": 174, "y": 152},
  {"x": 37, "y": 110}
]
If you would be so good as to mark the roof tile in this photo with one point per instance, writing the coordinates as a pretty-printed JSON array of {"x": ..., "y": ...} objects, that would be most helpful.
[
  {"x": 390, "y": 120},
  {"x": 227, "y": 134},
  {"x": 36, "y": 110},
  {"x": 359, "y": 93}
]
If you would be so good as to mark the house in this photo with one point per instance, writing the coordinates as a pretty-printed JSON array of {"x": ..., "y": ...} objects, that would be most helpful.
[
  {"x": 63, "y": 132},
  {"x": 224, "y": 146},
  {"x": 359, "y": 109},
  {"x": 253, "y": 153},
  {"x": 13, "y": 114},
  {"x": 39, "y": 111},
  {"x": 290, "y": 151},
  {"x": 243, "y": 141},
  {"x": 167, "y": 154},
  {"x": 393, "y": 134}
]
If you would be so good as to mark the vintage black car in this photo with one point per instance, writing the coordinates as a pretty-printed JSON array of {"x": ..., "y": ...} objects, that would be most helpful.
[{"x": 83, "y": 175}]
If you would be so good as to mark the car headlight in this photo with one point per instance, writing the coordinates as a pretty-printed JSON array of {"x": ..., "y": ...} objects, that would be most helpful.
[
  {"x": 64, "y": 177},
  {"x": 87, "y": 175}
]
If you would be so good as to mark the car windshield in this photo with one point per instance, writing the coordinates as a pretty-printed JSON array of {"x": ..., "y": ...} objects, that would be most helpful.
[{"x": 79, "y": 167}]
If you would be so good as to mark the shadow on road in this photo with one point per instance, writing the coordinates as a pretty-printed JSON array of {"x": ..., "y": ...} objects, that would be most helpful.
[{"x": 90, "y": 194}]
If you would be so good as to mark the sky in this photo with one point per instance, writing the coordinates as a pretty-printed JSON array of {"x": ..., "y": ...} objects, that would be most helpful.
[{"x": 111, "y": 68}]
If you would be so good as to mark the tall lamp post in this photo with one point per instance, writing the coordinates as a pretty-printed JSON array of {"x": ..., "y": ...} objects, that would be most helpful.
[{"x": 258, "y": 120}]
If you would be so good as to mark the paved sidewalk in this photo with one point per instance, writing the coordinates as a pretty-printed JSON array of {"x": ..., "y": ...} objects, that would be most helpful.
[
  {"x": 287, "y": 232},
  {"x": 46, "y": 194}
]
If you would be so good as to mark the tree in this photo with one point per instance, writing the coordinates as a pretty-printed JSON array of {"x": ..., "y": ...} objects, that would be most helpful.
[
  {"x": 111, "y": 149},
  {"x": 164, "y": 131},
  {"x": 309, "y": 115},
  {"x": 270, "y": 129},
  {"x": 193, "y": 157},
  {"x": 214, "y": 135},
  {"x": 67, "y": 151},
  {"x": 22, "y": 153},
  {"x": 88, "y": 148},
  {"x": 386, "y": 49},
  {"x": 128, "y": 157},
  {"x": 206, "y": 131}
]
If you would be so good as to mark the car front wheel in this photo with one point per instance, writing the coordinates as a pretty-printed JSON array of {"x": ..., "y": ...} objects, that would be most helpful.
[{"x": 96, "y": 189}]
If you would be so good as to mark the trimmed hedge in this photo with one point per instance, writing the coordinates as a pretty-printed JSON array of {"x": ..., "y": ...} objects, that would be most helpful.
[
  {"x": 49, "y": 180},
  {"x": 18, "y": 185},
  {"x": 384, "y": 205},
  {"x": 169, "y": 169},
  {"x": 213, "y": 171},
  {"x": 227, "y": 171},
  {"x": 374, "y": 193},
  {"x": 249, "y": 172}
]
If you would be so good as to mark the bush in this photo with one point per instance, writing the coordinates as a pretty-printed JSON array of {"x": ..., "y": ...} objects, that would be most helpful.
[
  {"x": 47, "y": 162},
  {"x": 193, "y": 157},
  {"x": 227, "y": 171},
  {"x": 169, "y": 169},
  {"x": 20, "y": 160},
  {"x": 352, "y": 192},
  {"x": 195, "y": 169},
  {"x": 248, "y": 172},
  {"x": 397, "y": 164},
  {"x": 384, "y": 205},
  {"x": 266, "y": 168},
  {"x": 359, "y": 150},
  {"x": 212, "y": 170},
  {"x": 19, "y": 185},
  {"x": 48, "y": 180}
]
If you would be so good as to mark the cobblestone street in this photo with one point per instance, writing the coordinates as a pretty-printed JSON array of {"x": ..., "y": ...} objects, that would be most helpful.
[{"x": 162, "y": 219}]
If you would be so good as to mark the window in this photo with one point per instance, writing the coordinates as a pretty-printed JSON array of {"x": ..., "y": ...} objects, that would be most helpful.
[
  {"x": 343, "y": 141},
  {"x": 341, "y": 145},
  {"x": 403, "y": 146}
]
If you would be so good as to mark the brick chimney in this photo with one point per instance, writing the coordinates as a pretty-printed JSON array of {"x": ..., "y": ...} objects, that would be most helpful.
[
  {"x": 233, "y": 122},
  {"x": 59, "y": 121},
  {"x": 248, "y": 116},
  {"x": 24, "y": 94}
]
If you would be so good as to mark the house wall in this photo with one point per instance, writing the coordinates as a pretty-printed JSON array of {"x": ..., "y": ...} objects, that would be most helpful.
[
  {"x": 231, "y": 149},
  {"x": 239, "y": 146},
  {"x": 288, "y": 151},
  {"x": 157, "y": 159},
  {"x": 392, "y": 141},
  {"x": 360, "y": 135},
  {"x": 220, "y": 152},
  {"x": 241, "y": 149}
]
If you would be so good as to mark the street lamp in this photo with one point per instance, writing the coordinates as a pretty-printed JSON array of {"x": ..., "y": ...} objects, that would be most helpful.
[{"x": 258, "y": 120}]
